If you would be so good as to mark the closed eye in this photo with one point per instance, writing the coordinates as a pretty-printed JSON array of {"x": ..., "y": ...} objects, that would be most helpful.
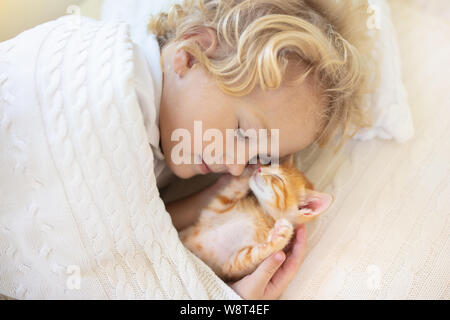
[{"x": 277, "y": 177}]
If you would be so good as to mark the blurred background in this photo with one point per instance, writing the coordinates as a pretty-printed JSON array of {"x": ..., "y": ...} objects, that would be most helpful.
[{"x": 17, "y": 16}]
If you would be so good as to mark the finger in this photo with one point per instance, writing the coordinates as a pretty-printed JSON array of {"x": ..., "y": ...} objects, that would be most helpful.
[
  {"x": 298, "y": 251},
  {"x": 290, "y": 267},
  {"x": 293, "y": 261},
  {"x": 288, "y": 248},
  {"x": 268, "y": 268}
]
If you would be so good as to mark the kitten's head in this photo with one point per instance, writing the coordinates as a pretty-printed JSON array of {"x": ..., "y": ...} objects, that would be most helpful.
[{"x": 284, "y": 192}]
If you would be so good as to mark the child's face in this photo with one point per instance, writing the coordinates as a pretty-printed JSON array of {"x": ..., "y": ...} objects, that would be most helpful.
[{"x": 190, "y": 94}]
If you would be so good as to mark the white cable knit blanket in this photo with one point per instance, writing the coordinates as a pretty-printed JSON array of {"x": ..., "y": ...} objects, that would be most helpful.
[{"x": 80, "y": 213}]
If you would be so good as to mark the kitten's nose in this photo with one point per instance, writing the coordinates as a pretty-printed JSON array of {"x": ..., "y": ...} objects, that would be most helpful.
[{"x": 258, "y": 170}]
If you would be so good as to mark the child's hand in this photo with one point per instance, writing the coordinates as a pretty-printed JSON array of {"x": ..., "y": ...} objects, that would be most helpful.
[{"x": 272, "y": 276}]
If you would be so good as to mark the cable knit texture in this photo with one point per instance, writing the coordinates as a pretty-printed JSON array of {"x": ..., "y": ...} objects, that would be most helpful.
[{"x": 78, "y": 193}]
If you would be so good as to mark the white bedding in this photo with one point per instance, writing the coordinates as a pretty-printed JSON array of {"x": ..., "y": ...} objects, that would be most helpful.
[{"x": 80, "y": 213}]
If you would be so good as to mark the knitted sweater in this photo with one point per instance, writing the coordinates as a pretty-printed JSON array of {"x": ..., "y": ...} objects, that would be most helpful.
[{"x": 80, "y": 212}]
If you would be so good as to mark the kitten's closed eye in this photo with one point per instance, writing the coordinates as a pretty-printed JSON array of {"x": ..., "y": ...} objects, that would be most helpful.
[{"x": 306, "y": 209}]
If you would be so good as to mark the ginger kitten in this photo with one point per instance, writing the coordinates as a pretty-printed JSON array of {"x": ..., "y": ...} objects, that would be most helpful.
[{"x": 253, "y": 216}]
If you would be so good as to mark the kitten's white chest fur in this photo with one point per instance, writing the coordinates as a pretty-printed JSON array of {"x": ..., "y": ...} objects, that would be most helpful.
[{"x": 226, "y": 234}]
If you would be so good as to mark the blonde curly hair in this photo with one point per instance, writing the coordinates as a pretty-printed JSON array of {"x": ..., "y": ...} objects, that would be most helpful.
[{"x": 257, "y": 39}]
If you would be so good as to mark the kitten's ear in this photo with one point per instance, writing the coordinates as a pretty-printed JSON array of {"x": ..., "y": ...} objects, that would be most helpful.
[{"x": 314, "y": 203}]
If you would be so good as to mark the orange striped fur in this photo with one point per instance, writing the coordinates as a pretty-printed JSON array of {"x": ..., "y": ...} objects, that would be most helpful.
[{"x": 253, "y": 216}]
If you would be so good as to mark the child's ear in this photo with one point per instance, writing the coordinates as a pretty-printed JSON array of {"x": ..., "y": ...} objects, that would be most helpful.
[
  {"x": 181, "y": 62},
  {"x": 314, "y": 203},
  {"x": 206, "y": 38}
]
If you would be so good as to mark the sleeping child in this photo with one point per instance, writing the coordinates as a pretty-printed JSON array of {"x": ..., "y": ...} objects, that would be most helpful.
[{"x": 96, "y": 118}]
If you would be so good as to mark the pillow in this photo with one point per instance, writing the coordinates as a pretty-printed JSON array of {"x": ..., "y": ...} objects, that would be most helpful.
[{"x": 387, "y": 105}]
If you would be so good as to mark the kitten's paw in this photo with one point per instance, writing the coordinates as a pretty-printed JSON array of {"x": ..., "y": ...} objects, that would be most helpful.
[
  {"x": 237, "y": 187},
  {"x": 281, "y": 232},
  {"x": 224, "y": 180},
  {"x": 242, "y": 180}
]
